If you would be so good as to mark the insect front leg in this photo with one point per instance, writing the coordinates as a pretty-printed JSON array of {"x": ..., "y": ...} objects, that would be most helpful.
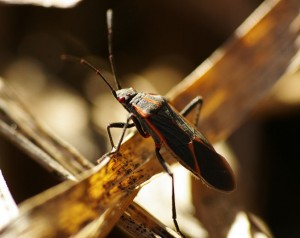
[
  {"x": 167, "y": 169},
  {"x": 116, "y": 125},
  {"x": 123, "y": 125},
  {"x": 196, "y": 102}
]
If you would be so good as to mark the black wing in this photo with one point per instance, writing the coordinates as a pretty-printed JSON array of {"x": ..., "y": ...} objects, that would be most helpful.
[{"x": 191, "y": 148}]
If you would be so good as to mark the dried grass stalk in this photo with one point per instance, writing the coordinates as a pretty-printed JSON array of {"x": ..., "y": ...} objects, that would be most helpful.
[{"x": 232, "y": 82}]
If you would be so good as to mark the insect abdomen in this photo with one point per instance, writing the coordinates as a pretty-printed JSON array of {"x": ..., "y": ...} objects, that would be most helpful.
[{"x": 191, "y": 149}]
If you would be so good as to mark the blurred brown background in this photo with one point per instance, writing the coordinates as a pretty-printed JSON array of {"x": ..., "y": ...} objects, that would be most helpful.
[{"x": 156, "y": 44}]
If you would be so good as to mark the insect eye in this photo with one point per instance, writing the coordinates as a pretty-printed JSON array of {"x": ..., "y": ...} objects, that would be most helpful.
[{"x": 121, "y": 100}]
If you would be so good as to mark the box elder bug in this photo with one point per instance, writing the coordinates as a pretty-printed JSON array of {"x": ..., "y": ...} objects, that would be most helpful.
[{"x": 153, "y": 116}]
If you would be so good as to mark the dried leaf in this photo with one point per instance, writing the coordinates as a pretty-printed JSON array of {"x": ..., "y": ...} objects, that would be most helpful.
[
  {"x": 232, "y": 82},
  {"x": 45, "y": 3},
  {"x": 144, "y": 227},
  {"x": 8, "y": 207},
  {"x": 241, "y": 72}
]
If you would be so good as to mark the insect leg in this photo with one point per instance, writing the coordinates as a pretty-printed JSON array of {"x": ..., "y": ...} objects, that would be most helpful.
[
  {"x": 197, "y": 101},
  {"x": 167, "y": 169},
  {"x": 119, "y": 125},
  {"x": 139, "y": 127},
  {"x": 116, "y": 125}
]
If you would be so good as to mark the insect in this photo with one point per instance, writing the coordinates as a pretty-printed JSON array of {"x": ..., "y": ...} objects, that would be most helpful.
[{"x": 153, "y": 116}]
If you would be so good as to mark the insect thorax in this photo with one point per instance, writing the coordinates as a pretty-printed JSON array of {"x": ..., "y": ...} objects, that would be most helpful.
[{"x": 125, "y": 95}]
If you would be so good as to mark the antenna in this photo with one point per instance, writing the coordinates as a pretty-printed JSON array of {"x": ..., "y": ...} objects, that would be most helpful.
[
  {"x": 109, "y": 20},
  {"x": 88, "y": 64}
]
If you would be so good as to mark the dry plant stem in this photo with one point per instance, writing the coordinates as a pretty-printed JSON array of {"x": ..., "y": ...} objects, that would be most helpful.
[
  {"x": 144, "y": 227},
  {"x": 67, "y": 208},
  {"x": 233, "y": 83},
  {"x": 35, "y": 152},
  {"x": 258, "y": 226},
  {"x": 11, "y": 126},
  {"x": 8, "y": 207},
  {"x": 47, "y": 3},
  {"x": 251, "y": 63},
  {"x": 98, "y": 228},
  {"x": 24, "y": 130},
  {"x": 241, "y": 72}
]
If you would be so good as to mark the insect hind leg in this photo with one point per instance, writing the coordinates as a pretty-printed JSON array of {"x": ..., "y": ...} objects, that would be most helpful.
[
  {"x": 196, "y": 102},
  {"x": 167, "y": 169}
]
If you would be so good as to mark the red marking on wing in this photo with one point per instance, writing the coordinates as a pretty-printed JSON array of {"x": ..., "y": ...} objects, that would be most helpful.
[
  {"x": 152, "y": 101},
  {"x": 193, "y": 151},
  {"x": 156, "y": 131},
  {"x": 191, "y": 148},
  {"x": 140, "y": 111},
  {"x": 145, "y": 112}
]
